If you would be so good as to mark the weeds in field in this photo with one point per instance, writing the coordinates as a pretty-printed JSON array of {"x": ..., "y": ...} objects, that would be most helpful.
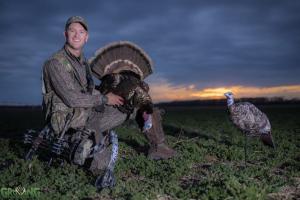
[{"x": 209, "y": 164}]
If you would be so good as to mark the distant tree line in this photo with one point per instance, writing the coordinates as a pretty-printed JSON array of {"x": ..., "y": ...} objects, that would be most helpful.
[
  {"x": 211, "y": 102},
  {"x": 222, "y": 102}
]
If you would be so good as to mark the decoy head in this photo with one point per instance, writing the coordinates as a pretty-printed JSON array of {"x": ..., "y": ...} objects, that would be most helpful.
[{"x": 228, "y": 95}]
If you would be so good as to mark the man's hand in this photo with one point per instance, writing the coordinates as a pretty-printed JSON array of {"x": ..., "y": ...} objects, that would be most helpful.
[{"x": 114, "y": 100}]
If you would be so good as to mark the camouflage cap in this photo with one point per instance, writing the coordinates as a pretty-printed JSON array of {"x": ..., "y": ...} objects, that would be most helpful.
[{"x": 77, "y": 19}]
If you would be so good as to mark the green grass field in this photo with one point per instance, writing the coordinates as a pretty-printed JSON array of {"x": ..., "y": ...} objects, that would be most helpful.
[{"x": 209, "y": 164}]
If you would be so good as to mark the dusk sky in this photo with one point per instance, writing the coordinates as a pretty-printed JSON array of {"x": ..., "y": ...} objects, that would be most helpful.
[{"x": 200, "y": 49}]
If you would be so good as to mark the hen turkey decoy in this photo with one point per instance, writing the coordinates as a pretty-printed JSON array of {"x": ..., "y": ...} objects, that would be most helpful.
[{"x": 250, "y": 120}]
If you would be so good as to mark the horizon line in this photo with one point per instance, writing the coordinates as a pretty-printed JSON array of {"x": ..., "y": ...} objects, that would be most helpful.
[{"x": 270, "y": 99}]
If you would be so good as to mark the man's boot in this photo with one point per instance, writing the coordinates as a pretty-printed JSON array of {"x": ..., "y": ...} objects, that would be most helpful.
[{"x": 155, "y": 135}]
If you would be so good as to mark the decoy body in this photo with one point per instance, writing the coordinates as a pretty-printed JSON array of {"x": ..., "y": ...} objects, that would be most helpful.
[{"x": 250, "y": 120}]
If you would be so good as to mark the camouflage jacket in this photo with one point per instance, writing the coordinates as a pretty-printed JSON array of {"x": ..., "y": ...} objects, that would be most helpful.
[{"x": 68, "y": 89}]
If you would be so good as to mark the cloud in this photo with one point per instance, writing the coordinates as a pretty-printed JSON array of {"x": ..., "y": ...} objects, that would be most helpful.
[
  {"x": 289, "y": 91},
  {"x": 204, "y": 44},
  {"x": 162, "y": 91}
]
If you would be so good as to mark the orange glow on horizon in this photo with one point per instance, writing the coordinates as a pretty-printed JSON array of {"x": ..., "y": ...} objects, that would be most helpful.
[{"x": 166, "y": 92}]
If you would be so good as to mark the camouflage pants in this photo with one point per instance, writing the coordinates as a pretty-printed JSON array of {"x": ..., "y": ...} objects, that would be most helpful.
[
  {"x": 110, "y": 118},
  {"x": 99, "y": 122}
]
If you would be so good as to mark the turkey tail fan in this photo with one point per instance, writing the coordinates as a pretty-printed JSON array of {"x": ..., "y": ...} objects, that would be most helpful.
[
  {"x": 121, "y": 56},
  {"x": 267, "y": 139}
]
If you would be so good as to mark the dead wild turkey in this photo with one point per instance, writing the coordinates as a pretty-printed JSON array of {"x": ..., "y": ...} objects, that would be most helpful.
[
  {"x": 122, "y": 67},
  {"x": 250, "y": 120},
  {"x": 129, "y": 86}
]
